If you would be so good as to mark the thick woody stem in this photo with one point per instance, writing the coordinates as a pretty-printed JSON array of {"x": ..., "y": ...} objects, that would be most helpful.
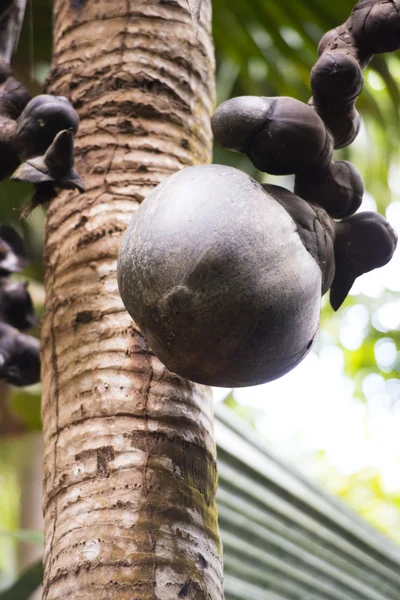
[{"x": 130, "y": 472}]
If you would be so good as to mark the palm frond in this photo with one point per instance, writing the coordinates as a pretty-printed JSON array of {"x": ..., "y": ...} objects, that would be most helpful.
[{"x": 11, "y": 18}]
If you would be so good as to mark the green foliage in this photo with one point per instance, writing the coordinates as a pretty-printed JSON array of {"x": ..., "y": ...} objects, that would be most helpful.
[
  {"x": 26, "y": 584},
  {"x": 246, "y": 413},
  {"x": 9, "y": 502},
  {"x": 25, "y": 406},
  {"x": 24, "y": 535},
  {"x": 365, "y": 491}
]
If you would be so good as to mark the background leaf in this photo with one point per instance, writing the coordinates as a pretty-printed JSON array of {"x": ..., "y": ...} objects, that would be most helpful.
[
  {"x": 24, "y": 535},
  {"x": 26, "y": 584}
]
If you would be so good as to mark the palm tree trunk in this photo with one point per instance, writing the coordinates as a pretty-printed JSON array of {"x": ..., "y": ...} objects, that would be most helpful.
[{"x": 129, "y": 469}]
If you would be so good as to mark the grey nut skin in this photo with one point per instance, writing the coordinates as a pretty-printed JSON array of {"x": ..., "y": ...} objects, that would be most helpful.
[
  {"x": 237, "y": 120},
  {"x": 213, "y": 270}
]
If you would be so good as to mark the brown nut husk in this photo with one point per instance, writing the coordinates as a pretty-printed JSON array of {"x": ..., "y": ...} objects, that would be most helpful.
[
  {"x": 14, "y": 97},
  {"x": 338, "y": 188},
  {"x": 8, "y": 150},
  {"x": 315, "y": 228},
  {"x": 281, "y": 136},
  {"x": 336, "y": 77},
  {"x": 364, "y": 242},
  {"x": 19, "y": 357},
  {"x": 16, "y": 306},
  {"x": 376, "y": 26},
  {"x": 342, "y": 120},
  {"x": 214, "y": 271},
  {"x": 39, "y": 123}
]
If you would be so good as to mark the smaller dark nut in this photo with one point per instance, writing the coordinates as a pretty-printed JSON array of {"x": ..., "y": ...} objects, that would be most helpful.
[
  {"x": 16, "y": 306},
  {"x": 364, "y": 242},
  {"x": 13, "y": 98},
  {"x": 19, "y": 357},
  {"x": 39, "y": 123},
  {"x": 338, "y": 188},
  {"x": 236, "y": 121},
  {"x": 376, "y": 27},
  {"x": 336, "y": 77},
  {"x": 280, "y": 135}
]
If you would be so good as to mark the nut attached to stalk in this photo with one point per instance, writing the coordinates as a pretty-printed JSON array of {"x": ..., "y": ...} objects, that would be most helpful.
[
  {"x": 45, "y": 140},
  {"x": 224, "y": 276},
  {"x": 214, "y": 270},
  {"x": 283, "y": 136}
]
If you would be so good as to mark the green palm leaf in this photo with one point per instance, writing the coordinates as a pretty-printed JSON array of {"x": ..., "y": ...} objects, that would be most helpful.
[
  {"x": 11, "y": 17},
  {"x": 26, "y": 584},
  {"x": 272, "y": 47}
]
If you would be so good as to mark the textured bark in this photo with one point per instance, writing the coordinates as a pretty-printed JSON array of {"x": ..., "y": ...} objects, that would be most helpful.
[{"x": 129, "y": 468}]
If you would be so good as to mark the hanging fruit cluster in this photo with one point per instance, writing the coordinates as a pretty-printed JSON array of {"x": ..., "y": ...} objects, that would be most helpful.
[
  {"x": 225, "y": 276},
  {"x": 36, "y": 146},
  {"x": 337, "y": 80},
  {"x": 19, "y": 353},
  {"x": 37, "y": 139}
]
